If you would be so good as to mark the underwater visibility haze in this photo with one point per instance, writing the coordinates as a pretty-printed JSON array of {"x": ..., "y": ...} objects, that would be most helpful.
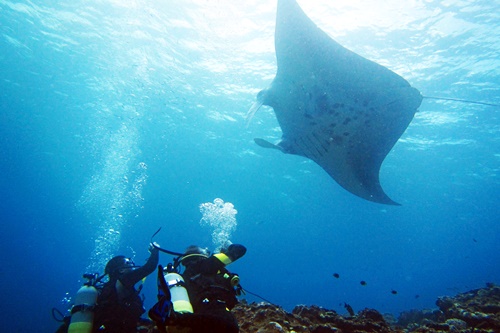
[{"x": 121, "y": 117}]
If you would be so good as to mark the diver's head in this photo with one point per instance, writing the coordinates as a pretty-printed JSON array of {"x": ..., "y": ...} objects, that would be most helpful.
[
  {"x": 194, "y": 254},
  {"x": 118, "y": 265}
]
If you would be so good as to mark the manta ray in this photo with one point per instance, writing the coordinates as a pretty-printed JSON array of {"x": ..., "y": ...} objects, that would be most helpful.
[{"x": 334, "y": 107}]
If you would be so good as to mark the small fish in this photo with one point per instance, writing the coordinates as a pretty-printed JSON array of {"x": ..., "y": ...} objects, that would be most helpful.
[
  {"x": 394, "y": 292},
  {"x": 417, "y": 296},
  {"x": 363, "y": 283},
  {"x": 336, "y": 275},
  {"x": 475, "y": 241},
  {"x": 349, "y": 309}
]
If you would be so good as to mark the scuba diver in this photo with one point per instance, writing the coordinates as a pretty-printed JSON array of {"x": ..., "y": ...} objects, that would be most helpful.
[
  {"x": 114, "y": 306},
  {"x": 199, "y": 299}
]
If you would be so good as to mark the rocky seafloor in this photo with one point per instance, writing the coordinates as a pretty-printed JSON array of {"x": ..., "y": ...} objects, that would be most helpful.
[{"x": 475, "y": 311}]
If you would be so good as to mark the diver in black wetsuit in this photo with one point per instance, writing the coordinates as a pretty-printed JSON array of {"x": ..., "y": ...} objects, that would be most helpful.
[
  {"x": 119, "y": 307},
  {"x": 211, "y": 289}
]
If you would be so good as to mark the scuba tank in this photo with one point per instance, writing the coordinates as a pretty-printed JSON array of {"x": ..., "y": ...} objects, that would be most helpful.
[
  {"x": 82, "y": 312},
  {"x": 179, "y": 295}
]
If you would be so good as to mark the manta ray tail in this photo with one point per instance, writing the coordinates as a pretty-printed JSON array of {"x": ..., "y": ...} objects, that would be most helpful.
[{"x": 461, "y": 101}]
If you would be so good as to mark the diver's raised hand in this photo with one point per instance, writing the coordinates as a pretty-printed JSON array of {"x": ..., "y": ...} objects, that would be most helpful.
[{"x": 153, "y": 247}]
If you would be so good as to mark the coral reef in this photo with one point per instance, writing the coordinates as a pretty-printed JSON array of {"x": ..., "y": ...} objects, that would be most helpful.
[
  {"x": 266, "y": 318},
  {"x": 475, "y": 311}
]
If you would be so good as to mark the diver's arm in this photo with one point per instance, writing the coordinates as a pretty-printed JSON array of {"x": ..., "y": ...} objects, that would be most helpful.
[
  {"x": 219, "y": 260},
  {"x": 232, "y": 253},
  {"x": 131, "y": 278}
]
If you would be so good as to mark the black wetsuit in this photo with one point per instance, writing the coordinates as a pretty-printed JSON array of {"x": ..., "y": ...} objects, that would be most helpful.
[{"x": 119, "y": 306}]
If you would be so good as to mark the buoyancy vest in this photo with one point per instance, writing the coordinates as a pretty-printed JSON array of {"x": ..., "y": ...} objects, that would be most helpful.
[
  {"x": 118, "y": 309},
  {"x": 210, "y": 288}
]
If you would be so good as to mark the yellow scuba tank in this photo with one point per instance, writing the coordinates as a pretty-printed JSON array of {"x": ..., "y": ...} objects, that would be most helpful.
[
  {"x": 82, "y": 313},
  {"x": 179, "y": 295}
]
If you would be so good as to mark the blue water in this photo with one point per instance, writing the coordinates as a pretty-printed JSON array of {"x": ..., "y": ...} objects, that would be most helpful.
[{"x": 120, "y": 117}]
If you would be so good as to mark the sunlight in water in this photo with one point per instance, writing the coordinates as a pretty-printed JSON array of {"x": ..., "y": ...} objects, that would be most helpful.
[{"x": 113, "y": 195}]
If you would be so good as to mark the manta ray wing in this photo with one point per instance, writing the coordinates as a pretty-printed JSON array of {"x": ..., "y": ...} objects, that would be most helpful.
[{"x": 335, "y": 107}]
